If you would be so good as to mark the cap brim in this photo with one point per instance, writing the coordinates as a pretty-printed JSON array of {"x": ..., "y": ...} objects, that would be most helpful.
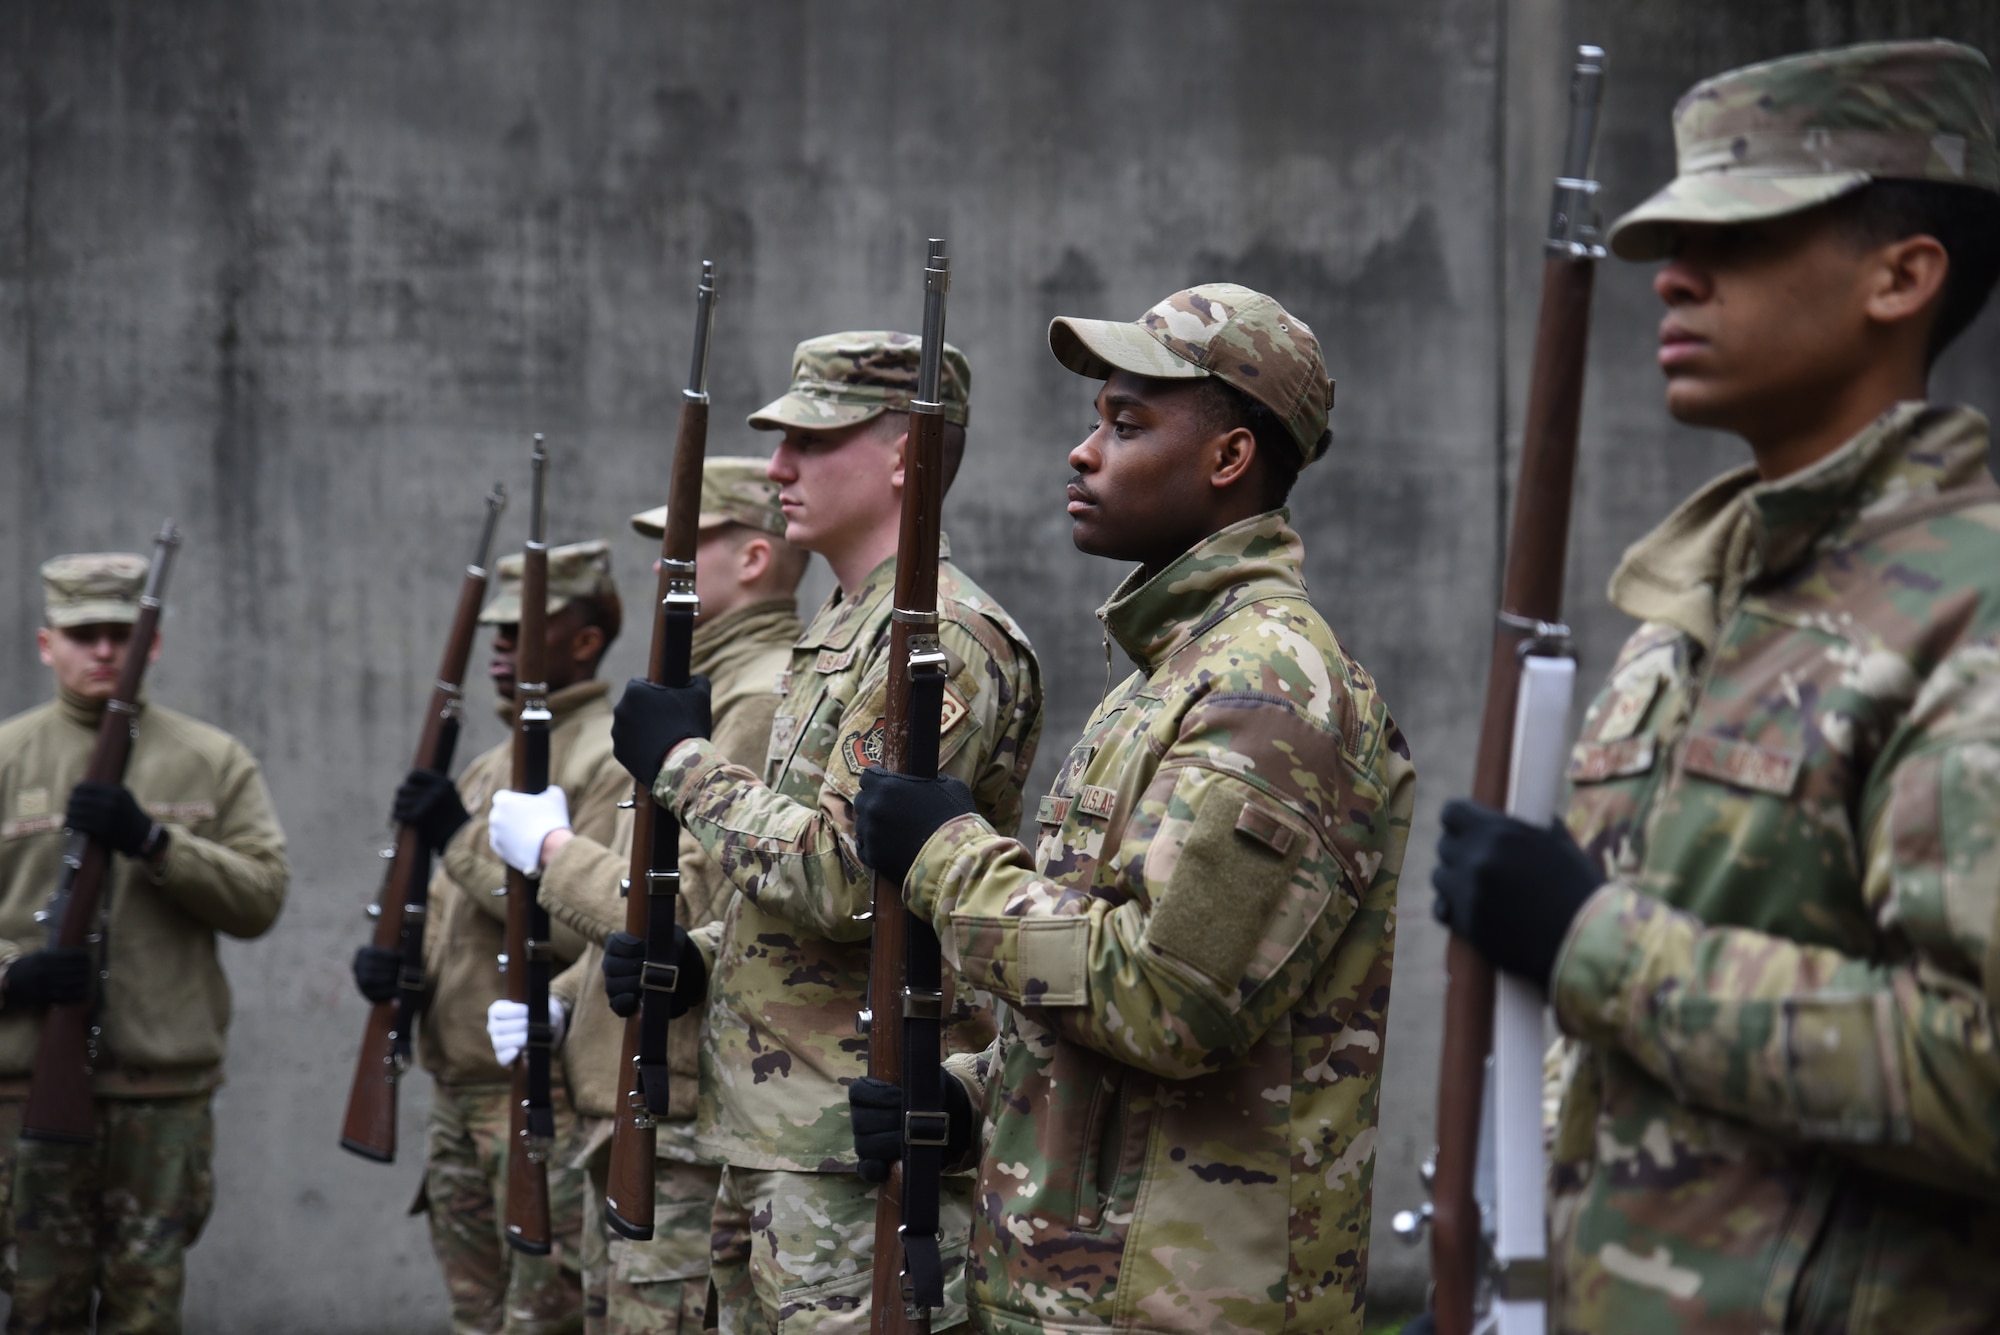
[
  {"x": 653, "y": 523},
  {"x": 810, "y": 414},
  {"x": 106, "y": 612},
  {"x": 1096, "y": 348},
  {"x": 1711, "y": 198}
]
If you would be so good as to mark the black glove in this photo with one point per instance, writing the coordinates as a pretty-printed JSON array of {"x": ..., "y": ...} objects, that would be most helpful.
[
  {"x": 895, "y": 813},
  {"x": 53, "y": 977},
  {"x": 108, "y": 814},
  {"x": 652, "y": 720},
  {"x": 1510, "y": 888},
  {"x": 375, "y": 972},
  {"x": 428, "y": 801},
  {"x": 876, "y": 1109},
  {"x": 625, "y": 960}
]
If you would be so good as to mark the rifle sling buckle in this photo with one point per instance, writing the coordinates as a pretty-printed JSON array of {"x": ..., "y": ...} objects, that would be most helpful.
[
  {"x": 922, "y": 1005},
  {"x": 656, "y": 977},
  {"x": 926, "y": 1128}
]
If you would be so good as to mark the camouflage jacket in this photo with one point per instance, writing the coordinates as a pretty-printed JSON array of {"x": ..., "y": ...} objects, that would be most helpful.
[
  {"x": 1781, "y": 1105},
  {"x": 166, "y": 1003},
  {"x": 742, "y": 653},
  {"x": 468, "y": 919},
  {"x": 1196, "y": 964},
  {"x": 788, "y": 965}
]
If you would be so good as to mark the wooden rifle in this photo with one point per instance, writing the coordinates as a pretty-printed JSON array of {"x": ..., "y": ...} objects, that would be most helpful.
[
  {"x": 60, "y": 1106},
  {"x": 653, "y": 883},
  {"x": 532, "y": 1122},
  {"x": 905, "y": 978},
  {"x": 403, "y": 907},
  {"x": 1529, "y": 626}
]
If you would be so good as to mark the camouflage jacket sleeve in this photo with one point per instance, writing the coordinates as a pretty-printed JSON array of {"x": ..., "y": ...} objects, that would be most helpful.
[
  {"x": 1231, "y": 882},
  {"x": 234, "y": 880},
  {"x": 798, "y": 861},
  {"x": 1892, "y": 1061}
]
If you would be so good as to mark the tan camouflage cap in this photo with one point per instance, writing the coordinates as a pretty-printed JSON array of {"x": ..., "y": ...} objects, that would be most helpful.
[
  {"x": 1777, "y": 138},
  {"x": 734, "y": 490},
  {"x": 1242, "y": 338},
  {"x": 92, "y": 588},
  {"x": 841, "y": 380},
  {"x": 576, "y": 571}
]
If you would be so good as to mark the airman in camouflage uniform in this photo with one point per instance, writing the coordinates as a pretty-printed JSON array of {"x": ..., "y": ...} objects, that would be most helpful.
[
  {"x": 788, "y": 964},
  {"x": 492, "y": 1286},
  {"x": 1780, "y": 1094},
  {"x": 746, "y": 576},
  {"x": 1195, "y": 957},
  {"x": 199, "y": 852}
]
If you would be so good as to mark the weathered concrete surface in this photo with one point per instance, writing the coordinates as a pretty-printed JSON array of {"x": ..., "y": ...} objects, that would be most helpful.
[{"x": 305, "y": 275}]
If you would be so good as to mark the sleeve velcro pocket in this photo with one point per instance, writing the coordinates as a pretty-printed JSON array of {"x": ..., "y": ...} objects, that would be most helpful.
[
  {"x": 1842, "y": 1069},
  {"x": 1228, "y": 908},
  {"x": 1054, "y": 957}
]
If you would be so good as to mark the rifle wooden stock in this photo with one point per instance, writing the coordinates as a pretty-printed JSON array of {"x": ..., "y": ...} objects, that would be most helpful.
[
  {"x": 370, "y": 1126},
  {"x": 60, "y": 1106},
  {"x": 904, "y": 963},
  {"x": 1531, "y": 592},
  {"x": 653, "y": 879},
  {"x": 531, "y": 1121}
]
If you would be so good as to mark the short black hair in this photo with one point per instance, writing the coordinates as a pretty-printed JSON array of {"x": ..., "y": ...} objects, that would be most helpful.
[
  {"x": 1964, "y": 219},
  {"x": 1225, "y": 408}
]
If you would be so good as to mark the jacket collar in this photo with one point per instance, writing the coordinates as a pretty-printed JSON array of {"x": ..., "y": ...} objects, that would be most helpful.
[
  {"x": 86, "y": 713},
  {"x": 773, "y": 621},
  {"x": 1252, "y": 558},
  {"x": 1908, "y": 463},
  {"x": 840, "y": 618}
]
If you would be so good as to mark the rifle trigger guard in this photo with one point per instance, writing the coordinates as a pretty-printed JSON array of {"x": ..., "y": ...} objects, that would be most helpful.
[
  {"x": 659, "y": 977},
  {"x": 927, "y": 1136}
]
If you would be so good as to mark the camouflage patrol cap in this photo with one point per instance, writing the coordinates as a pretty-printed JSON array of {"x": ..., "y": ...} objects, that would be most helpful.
[
  {"x": 841, "y": 380},
  {"x": 734, "y": 490},
  {"x": 1780, "y": 137},
  {"x": 579, "y": 570},
  {"x": 92, "y": 588},
  {"x": 1242, "y": 338}
]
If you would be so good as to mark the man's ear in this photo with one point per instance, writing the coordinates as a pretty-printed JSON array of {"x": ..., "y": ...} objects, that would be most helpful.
[
  {"x": 1909, "y": 277},
  {"x": 587, "y": 644},
  {"x": 753, "y": 560},
  {"x": 1231, "y": 456},
  {"x": 42, "y": 634}
]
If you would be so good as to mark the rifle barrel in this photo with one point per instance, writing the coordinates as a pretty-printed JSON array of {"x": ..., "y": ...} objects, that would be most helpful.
[
  {"x": 653, "y": 882},
  {"x": 369, "y": 1128},
  {"x": 1530, "y": 604}
]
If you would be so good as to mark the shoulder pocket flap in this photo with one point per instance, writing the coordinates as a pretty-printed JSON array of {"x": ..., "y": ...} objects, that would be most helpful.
[
  {"x": 1054, "y": 952},
  {"x": 1761, "y": 769},
  {"x": 1594, "y": 762},
  {"x": 1256, "y": 823}
]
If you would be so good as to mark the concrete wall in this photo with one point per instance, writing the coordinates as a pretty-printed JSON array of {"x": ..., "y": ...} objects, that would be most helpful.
[{"x": 305, "y": 275}]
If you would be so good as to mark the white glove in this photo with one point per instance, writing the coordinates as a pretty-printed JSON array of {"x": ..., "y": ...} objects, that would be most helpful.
[
  {"x": 507, "y": 1027},
  {"x": 517, "y": 823}
]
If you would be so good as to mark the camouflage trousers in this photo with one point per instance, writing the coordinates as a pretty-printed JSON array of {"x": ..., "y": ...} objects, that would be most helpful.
[
  {"x": 659, "y": 1287},
  {"x": 795, "y": 1252},
  {"x": 111, "y": 1220},
  {"x": 494, "y": 1288}
]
